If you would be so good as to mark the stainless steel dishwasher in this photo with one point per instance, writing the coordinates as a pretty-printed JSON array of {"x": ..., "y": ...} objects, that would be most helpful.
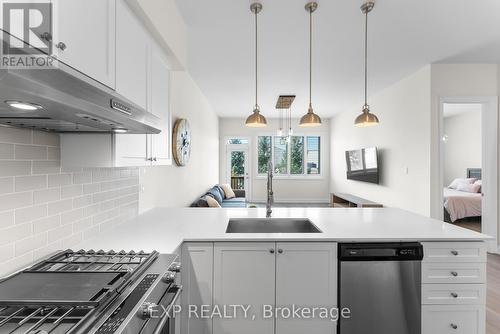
[{"x": 381, "y": 285}]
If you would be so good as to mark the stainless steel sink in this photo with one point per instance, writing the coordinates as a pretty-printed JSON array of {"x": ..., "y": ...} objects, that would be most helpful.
[{"x": 271, "y": 225}]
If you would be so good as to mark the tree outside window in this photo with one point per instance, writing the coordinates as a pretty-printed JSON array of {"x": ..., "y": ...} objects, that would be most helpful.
[
  {"x": 297, "y": 155},
  {"x": 263, "y": 153}
]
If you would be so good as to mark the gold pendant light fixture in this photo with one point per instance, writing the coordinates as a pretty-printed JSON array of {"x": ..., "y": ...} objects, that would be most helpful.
[
  {"x": 256, "y": 120},
  {"x": 310, "y": 119},
  {"x": 366, "y": 119}
]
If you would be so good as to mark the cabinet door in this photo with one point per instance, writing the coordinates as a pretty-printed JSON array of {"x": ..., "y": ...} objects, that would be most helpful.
[
  {"x": 197, "y": 279},
  {"x": 132, "y": 56},
  {"x": 306, "y": 276},
  {"x": 131, "y": 150},
  {"x": 86, "y": 31},
  {"x": 244, "y": 274},
  {"x": 160, "y": 107},
  {"x": 444, "y": 319}
]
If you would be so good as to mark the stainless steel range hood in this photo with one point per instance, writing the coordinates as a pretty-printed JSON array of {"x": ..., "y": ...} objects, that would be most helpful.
[{"x": 70, "y": 101}]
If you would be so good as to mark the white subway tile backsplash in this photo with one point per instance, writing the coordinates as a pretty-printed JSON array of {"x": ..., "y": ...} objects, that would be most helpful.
[
  {"x": 6, "y": 185},
  {"x": 24, "y": 183},
  {"x": 45, "y": 224},
  {"x": 6, "y": 151},
  {"x": 31, "y": 243},
  {"x": 53, "y": 153},
  {"x": 6, "y": 219},
  {"x": 14, "y": 135},
  {"x": 6, "y": 252},
  {"x": 46, "y": 167},
  {"x": 13, "y": 233},
  {"x": 59, "y": 180},
  {"x": 14, "y": 168},
  {"x": 31, "y": 213},
  {"x": 60, "y": 206},
  {"x": 71, "y": 191},
  {"x": 15, "y": 200},
  {"x": 45, "y": 207},
  {"x": 45, "y": 138},
  {"x": 47, "y": 195},
  {"x": 60, "y": 232},
  {"x": 31, "y": 152}
]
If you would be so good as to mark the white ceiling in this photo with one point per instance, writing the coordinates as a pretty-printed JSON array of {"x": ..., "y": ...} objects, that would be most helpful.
[
  {"x": 404, "y": 36},
  {"x": 455, "y": 109}
]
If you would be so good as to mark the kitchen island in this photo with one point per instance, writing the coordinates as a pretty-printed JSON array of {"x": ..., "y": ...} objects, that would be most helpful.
[{"x": 285, "y": 269}]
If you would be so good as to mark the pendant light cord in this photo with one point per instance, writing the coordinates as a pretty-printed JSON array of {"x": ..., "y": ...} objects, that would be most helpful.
[
  {"x": 310, "y": 55},
  {"x": 366, "y": 57},
  {"x": 256, "y": 64}
]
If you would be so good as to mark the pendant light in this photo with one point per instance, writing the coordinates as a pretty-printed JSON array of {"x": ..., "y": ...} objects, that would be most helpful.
[
  {"x": 256, "y": 120},
  {"x": 310, "y": 119},
  {"x": 366, "y": 118}
]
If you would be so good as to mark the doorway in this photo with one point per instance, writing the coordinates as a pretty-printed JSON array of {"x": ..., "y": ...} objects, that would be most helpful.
[
  {"x": 238, "y": 165},
  {"x": 468, "y": 165}
]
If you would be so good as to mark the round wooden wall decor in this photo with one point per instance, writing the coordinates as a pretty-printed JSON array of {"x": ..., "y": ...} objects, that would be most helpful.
[{"x": 181, "y": 142}]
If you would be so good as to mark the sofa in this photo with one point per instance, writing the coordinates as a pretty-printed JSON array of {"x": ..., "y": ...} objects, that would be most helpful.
[{"x": 217, "y": 193}]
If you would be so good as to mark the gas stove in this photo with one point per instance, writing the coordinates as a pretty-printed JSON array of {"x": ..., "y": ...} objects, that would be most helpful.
[{"x": 92, "y": 292}]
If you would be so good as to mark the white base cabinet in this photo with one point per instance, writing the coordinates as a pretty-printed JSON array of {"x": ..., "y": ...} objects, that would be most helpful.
[
  {"x": 267, "y": 277},
  {"x": 454, "y": 288},
  {"x": 197, "y": 279}
]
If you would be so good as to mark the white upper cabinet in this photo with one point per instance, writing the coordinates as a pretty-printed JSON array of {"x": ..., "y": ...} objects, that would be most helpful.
[
  {"x": 133, "y": 54},
  {"x": 84, "y": 37},
  {"x": 160, "y": 107}
]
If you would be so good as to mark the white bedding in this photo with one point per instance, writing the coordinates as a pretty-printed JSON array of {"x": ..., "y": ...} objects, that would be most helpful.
[{"x": 461, "y": 204}]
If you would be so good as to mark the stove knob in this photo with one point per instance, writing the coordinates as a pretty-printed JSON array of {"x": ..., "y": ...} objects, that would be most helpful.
[
  {"x": 175, "y": 267},
  {"x": 147, "y": 310},
  {"x": 169, "y": 277}
]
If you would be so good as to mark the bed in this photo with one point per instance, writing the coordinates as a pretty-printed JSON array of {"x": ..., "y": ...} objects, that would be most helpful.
[{"x": 459, "y": 204}]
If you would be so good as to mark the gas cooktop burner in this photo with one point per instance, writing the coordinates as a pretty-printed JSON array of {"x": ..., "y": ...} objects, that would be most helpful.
[{"x": 86, "y": 292}]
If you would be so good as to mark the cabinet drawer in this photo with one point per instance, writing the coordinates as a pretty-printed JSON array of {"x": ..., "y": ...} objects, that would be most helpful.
[
  {"x": 441, "y": 319},
  {"x": 454, "y": 273},
  {"x": 454, "y": 251},
  {"x": 454, "y": 294}
]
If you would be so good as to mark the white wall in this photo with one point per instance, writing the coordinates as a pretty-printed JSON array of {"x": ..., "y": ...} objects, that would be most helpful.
[
  {"x": 173, "y": 186},
  {"x": 286, "y": 189},
  {"x": 463, "y": 147},
  {"x": 403, "y": 140}
]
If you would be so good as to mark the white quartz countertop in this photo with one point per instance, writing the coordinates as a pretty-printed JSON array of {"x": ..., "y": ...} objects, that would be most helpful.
[{"x": 164, "y": 229}]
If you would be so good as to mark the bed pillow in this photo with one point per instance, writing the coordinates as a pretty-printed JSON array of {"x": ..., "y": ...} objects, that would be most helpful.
[
  {"x": 457, "y": 182},
  {"x": 228, "y": 191},
  {"x": 469, "y": 188}
]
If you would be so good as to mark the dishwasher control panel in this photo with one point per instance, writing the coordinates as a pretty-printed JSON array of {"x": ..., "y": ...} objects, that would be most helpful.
[{"x": 380, "y": 251}]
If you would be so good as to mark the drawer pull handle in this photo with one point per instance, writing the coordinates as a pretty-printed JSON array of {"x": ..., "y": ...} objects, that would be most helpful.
[
  {"x": 454, "y": 273},
  {"x": 454, "y": 295},
  {"x": 454, "y": 252},
  {"x": 453, "y": 326}
]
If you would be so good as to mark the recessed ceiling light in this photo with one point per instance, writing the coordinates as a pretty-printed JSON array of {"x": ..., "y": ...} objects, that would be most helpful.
[
  {"x": 120, "y": 130},
  {"x": 27, "y": 106}
]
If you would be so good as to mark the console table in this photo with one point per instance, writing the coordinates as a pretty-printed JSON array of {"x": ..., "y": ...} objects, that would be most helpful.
[{"x": 350, "y": 201}]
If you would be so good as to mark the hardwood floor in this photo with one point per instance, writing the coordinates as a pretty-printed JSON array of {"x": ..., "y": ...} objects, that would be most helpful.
[{"x": 493, "y": 295}]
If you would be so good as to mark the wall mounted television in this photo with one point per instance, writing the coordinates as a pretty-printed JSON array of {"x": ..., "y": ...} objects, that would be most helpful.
[{"x": 362, "y": 165}]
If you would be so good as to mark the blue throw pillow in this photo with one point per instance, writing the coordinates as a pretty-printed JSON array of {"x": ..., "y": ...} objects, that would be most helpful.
[
  {"x": 215, "y": 193},
  {"x": 221, "y": 191}
]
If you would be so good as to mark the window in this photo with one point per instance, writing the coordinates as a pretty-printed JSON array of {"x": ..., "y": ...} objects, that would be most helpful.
[
  {"x": 313, "y": 155},
  {"x": 280, "y": 161},
  {"x": 294, "y": 156},
  {"x": 237, "y": 141},
  {"x": 263, "y": 153}
]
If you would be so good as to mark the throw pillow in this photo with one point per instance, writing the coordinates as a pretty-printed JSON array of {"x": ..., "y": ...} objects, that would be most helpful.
[
  {"x": 215, "y": 193},
  {"x": 228, "y": 191},
  {"x": 212, "y": 203}
]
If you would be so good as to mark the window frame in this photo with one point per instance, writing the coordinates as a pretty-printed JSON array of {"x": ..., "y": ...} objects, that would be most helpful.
[{"x": 288, "y": 175}]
